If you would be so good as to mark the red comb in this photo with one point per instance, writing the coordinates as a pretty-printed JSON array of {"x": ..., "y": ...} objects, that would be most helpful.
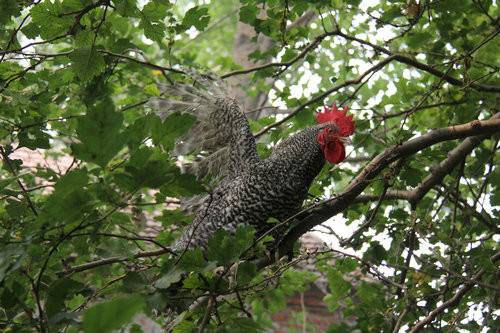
[{"x": 344, "y": 122}]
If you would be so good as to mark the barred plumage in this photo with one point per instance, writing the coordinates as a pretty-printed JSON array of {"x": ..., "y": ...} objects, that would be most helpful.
[{"x": 250, "y": 190}]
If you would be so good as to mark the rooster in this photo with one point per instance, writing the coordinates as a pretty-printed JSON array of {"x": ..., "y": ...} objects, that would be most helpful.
[{"x": 249, "y": 190}]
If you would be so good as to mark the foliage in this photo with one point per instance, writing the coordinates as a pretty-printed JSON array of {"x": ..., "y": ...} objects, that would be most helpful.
[{"x": 75, "y": 76}]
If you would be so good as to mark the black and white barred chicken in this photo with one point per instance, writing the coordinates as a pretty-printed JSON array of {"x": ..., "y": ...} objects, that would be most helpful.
[{"x": 250, "y": 190}]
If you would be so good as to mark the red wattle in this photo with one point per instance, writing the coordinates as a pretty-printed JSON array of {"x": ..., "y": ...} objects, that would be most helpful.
[
  {"x": 334, "y": 152},
  {"x": 333, "y": 148}
]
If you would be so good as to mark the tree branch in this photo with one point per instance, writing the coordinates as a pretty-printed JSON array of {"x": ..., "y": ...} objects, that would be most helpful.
[
  {"x": 206, "y": 317},
  {"x": 482, "y": 216},
  {"x": 414, "y": 196},
  {"x": 113, "y": 260},
  {"x": 438, "y": 173},
  {"x": 14, "y": 34},
  {"x": 11, "y": 169},
  {"x": 453, "y": 300},
  {"x": 319, "y": 213},
  {"x": 145, "y": 63},
  {"x": 309, "y": 47},
  {"x": 394, "y": 55},
  {"x": 79, "y": 14},
  {"x": 424, "y": 67},
  {"x": 323, "y": 95},
  {"x": 370, "y": 220}
]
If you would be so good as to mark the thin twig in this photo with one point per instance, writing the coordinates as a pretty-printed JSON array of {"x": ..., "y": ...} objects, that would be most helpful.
[
  {"x": 145, "y": 63},
  {"x": 324, "y": 94},
  {"x": 113, "y": 260},
  {"x": 451, "y": 301},
  {"x": 11, "y": 169},
  {"x": 206, "y": 317}
]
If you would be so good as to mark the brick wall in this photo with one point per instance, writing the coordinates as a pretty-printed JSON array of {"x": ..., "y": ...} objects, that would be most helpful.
[{"x": 305, "y": 312}]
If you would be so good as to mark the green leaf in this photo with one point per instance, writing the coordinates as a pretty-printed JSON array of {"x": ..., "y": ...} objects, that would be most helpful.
[
  {"x": 170, "y": 217},
  {"x": 225, "y": 248},
  {"x": 16, "y": 209},
  {"x": 338, "y": 288},
  {"x": 7, "y": 69},
  {"x": 495, "y": 198},
  {"x": 244, "y": 325},
  {"x": 134, "y": 281},
  {"x": 353, "y": 2},
  {"x": 33, "y": 138},
  {"x": 153, "y": 173},
  {"x": 197, "y": 17},
  {"x": 9, "y": 8},
  {"x": 84, "y": 39},
  {"x": 338, "y": 328},
  {"x": 74, "y": 180},
  {"x": 248, "y": 14},
  {"x": 184, "y": 326},
  {"x": 127, "y": 8},
  {"x": 193, "y": 261},
  {"x": 418, "y": 39},
  {"x": 375, "y": 253},
  {"x": 74, "y": 5},
  {"x": 219, "y": 248},
  {"x": 153, "y": 30},
  {"x": 155, "y": 11},
  {"x": 5, "y": 182},
  {"x": 193, "y": 281},
  {"x": 272, "y": 220},
  {"x": 87, "y": 63},
  {"x": 370, "y": 295},
  {"x": 136, "y": 328},
  {"x": 411, "y": 176},
  {"x": 346, "y": 265},
  {"x": 46, "y": 16},
  {"x": 111, "y": 315},
  {"x": 166, "y": 280},
  {"x": 182, "y": 185},
  {"x": 69, "y": 200},
  {"x": 289, "y": 55},
  {"x": 174, "y": 126},
  {"x": 11, "y": 257},
  {"x": 99, "y": 133},
  {"x": 59, "y": 292},
  {"x": 390, "y": 14},
  {"x": 245, "y": 273},
  {"x": 152, "y": 89}
]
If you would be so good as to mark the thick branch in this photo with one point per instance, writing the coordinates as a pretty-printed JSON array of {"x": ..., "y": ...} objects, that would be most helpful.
[
  {"x": 442, "y": 169},
  {"x": 455, "y": 156},
  {"x": 323, "y": 211}
]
